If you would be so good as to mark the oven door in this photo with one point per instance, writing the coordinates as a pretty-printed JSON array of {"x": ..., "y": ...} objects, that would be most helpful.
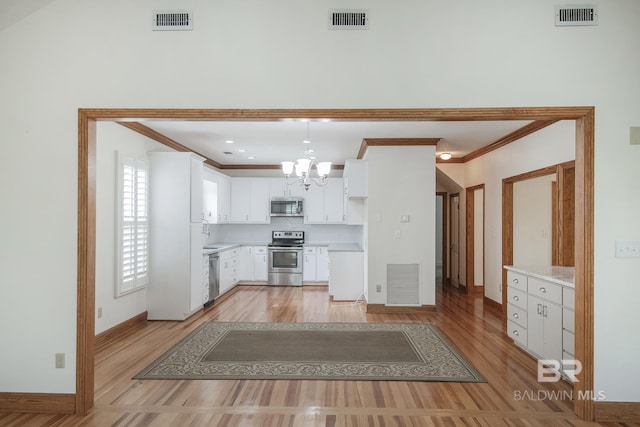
[{"x": 285, "y": 260}]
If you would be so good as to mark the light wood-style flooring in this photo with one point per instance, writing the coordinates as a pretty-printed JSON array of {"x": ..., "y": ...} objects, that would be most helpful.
[{"x": 510, "y": 398}]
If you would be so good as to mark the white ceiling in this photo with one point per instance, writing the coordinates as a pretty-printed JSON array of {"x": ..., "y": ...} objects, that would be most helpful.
[
  {"x": 334, "y": 141},
  {"x": 12, "y": 11}
]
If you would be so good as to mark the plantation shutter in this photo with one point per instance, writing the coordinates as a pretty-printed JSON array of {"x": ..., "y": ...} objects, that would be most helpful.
[{"x": 133, "y": 227}]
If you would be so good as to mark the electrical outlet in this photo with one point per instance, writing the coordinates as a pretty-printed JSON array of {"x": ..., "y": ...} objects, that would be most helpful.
[
  {"x": 99, "y": 312},
  {"x": 59, "y": 360},
  {"x": 378, "y": 288}
]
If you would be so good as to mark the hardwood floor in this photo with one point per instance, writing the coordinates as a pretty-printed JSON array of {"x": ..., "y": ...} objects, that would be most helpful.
[{"x": 512, "y": 396}]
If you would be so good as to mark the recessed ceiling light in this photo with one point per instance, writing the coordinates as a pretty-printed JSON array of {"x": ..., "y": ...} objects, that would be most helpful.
[
  {"x": 306, "y": 141},
  {"x": 241, "y": 150},
  {"x": 228, "y": 141},
  {"x": 445, "y": 156},
  {"x": 309, "y": 151},
  {"x": 250, "y": 157}
]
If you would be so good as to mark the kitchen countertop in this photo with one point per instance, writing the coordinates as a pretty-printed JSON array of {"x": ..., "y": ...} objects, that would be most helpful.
[
  {"x": 561, "y": 275},
  {"x": 332, "y": 247}
]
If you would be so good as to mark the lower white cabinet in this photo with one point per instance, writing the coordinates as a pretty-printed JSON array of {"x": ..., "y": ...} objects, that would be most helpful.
[
  {"x": 540, "y": 316},
  {"x": 228, "y": 269},
  {"x": 346, "y": 281},
  {"x": 253, "y": 264},
  {"x": 315, "y": 264}
]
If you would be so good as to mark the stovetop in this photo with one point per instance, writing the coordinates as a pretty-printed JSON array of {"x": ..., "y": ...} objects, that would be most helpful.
[{"x": 287, "y": 239}]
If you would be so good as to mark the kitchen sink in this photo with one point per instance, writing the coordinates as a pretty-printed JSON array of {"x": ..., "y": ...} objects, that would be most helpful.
[{"x": 212, "y": 246}]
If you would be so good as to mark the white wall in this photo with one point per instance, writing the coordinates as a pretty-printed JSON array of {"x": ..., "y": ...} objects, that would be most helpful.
[
  {"x": 401, "y": 182},
  {"x": 532, "y": 212},
  {"x": 252, "y": 55},
  {"x": 112, "y": 137}
]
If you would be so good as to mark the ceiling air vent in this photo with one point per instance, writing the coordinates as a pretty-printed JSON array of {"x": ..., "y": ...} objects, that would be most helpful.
[
  {"x": 348, "y": 19},
  {"x": 172, "y": 20},
  {"x": 572, "y": 15}
]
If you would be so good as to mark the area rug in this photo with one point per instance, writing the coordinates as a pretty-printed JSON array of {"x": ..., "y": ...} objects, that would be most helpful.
[{"x": 316, "y": 351}]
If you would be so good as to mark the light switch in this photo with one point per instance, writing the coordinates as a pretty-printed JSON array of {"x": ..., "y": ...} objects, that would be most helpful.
[
  {"x": 627, "y": 248},
  {"x": 634, "y": 135}
]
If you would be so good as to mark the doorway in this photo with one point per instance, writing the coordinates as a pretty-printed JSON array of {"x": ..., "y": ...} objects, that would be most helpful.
[
  {"x": 441, "y": 238},
  {"x": 475, "y": 239},
  {"x": 584, "y": 118},
  {"x": 454, "y": 250}
]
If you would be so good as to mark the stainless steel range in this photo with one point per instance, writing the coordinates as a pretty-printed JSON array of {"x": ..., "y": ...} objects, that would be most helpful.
[{"x": 285, "y": 258}]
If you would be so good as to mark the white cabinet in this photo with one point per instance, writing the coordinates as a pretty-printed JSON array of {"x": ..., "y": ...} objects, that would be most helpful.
[
  {"x": 228, "y": 269},
  {"x": 175, "y": 235},
  {"x": 315, "y": 264},
  {"x": 346, "y": 281},
  {"x": 205, "y": 278},
  {"x": 322, "y": 264},
  {"x": 210, "y": 201},
  {"x": 356, "y": 178},
  {"x": 250, "y": 201},
  {"x": 224, "y": 199},
  {"x": 540, "y": 315},
  {"x": 309, "y": 264},
  {"x": 279, "y": 188},
  {"x": 325, "y": 205},
  {"x": 253, "y": 263},
  {"x": 260, "y": 263}
]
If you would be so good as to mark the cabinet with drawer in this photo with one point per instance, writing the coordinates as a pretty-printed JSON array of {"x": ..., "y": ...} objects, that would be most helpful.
[{"x": 540, "y": 315}]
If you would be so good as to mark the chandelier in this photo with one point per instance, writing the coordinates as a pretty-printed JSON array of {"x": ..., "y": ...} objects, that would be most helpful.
[{"x": 303, "y": 167}]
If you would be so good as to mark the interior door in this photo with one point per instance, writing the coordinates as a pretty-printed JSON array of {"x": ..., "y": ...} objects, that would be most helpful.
[{"x": 454, "y": 201}]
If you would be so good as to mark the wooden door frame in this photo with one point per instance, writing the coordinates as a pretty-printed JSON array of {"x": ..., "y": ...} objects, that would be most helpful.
[
  {"x": 585, "y": 127},
  {"x": 445, "y": 239},
  {"x": 470, "y": 237}
]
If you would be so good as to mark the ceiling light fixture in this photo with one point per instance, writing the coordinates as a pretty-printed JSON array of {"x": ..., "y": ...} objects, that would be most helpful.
[
  {"x": 303, "y": 168},
  {"x": 228, "y": 141},
  {"x": 445, "y": 156}
]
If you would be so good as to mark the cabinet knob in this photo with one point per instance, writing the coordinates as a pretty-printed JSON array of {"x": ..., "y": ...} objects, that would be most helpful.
[
  {"x": 516, "y": 298},
  {"x": 515, "y": 315},
  {"x": 543, "y": 290},
  {"x": 515, "y": 281},
  {"x": 516, "y": 333}
]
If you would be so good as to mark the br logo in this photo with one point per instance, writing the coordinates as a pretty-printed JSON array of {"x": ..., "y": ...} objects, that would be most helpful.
[{"x": 550, "y": 370}]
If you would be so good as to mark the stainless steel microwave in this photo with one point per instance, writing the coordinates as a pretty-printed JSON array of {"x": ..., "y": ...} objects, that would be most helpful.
[{"x": 287, "y": 206}]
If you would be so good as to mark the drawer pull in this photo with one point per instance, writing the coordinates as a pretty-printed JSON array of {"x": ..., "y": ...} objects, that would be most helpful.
[
  {"x": 515, "y": 315},
  {"x": 516, "y": 298},
  {"x": 515, "y": 281},
  {"x": 543, "y": 290},
  {"x": 516, "y": 333}
]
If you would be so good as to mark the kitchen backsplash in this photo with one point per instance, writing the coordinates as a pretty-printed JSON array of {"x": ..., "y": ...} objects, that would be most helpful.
[{"x": 261, "y": 233}]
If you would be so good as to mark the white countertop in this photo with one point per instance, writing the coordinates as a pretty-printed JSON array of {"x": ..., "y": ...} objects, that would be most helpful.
[
  {"x": 561, "y": 275},
  {"x": 332, "y": 247}
]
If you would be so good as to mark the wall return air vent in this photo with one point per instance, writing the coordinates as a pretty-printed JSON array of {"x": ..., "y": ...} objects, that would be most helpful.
[
  {"x": 572, "y": 15},
  {"x": 349, "y": 19},
  {"x": 172, "y": 20}
]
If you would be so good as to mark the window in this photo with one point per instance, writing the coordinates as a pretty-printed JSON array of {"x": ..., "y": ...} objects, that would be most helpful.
[{"x": 132, "y": 224}]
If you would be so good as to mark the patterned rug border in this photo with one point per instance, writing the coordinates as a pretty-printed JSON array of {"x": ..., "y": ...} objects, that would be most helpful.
[{"x": 183, "y": 361}]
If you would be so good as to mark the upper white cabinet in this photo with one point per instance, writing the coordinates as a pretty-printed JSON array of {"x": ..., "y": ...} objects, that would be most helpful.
[
  {"x": 325, "y": 205},
  {"x": 356, "y": 180},
  {"x": 216, "y": 197},
  {"x": 224, "y": 199},
  {"x": 210, "y": 201},
  {"x": 278, "y": 187},
  {"x": 250, "y": 201}
]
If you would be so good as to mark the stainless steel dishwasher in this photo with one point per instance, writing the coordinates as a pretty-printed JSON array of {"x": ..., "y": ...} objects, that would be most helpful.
[{"x": 214, "y": 278}]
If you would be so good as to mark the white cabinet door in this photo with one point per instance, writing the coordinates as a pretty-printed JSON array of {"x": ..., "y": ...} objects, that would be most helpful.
[
  {"x": 309, "y": 264},
  {"x": 259, "y": 209},
  {"x": 356, "y": 178},
  {"x": 322, "y": 264},
  {"x": 260, "y": 263},
  {"x": 334, "y": 201},
  {"x": 210, "y": 201},
  {"x": 240, "y": 200},
  {"x": 544, "y": 328},
  {"x": 245, "y": 263},
  {"x": 314, "y": 205}
]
